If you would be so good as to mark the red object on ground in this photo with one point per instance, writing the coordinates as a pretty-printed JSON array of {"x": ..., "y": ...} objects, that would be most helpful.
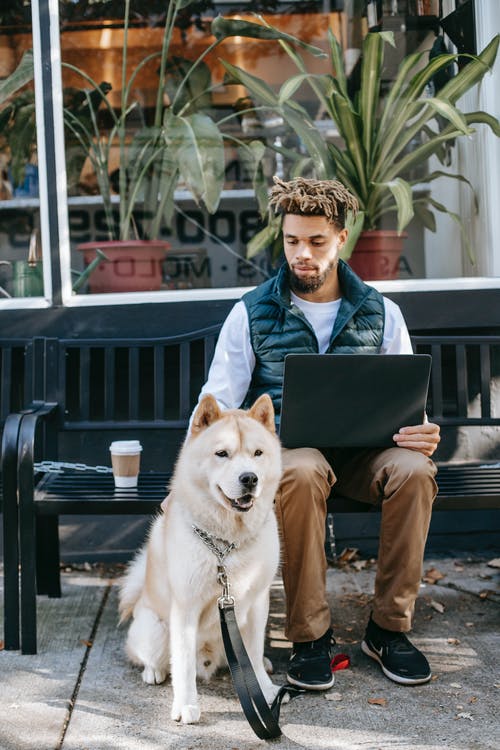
[{"x": 341, "y": 661}]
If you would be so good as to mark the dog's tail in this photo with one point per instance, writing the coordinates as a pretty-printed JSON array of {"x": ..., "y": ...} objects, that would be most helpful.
[{"x": 132, "y": 585}]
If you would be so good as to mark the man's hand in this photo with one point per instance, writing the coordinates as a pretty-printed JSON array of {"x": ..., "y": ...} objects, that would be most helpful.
[{"x": 423, "y": 438}]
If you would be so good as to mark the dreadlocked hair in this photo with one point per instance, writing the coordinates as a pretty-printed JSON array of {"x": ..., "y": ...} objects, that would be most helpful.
[{"x": 328, "y": 198}]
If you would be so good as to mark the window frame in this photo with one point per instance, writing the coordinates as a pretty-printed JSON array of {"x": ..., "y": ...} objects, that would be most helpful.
[{"x": 53, "y": 204}]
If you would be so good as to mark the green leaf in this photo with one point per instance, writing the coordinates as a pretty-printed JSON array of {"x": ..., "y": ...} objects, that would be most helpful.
[
  {"x": 485, "y": 118},
  {"x": 401, "y": 190},
  {"x": 354, "y": 228},
  {"x": 199, "y": 150},
  {"x": 451, "y": 113},
  {"x": 226, "y": 27},
  {"x": 290, "y": 87},
  {"x": 425, "y": 215},
  {"x": 337, "y": 57},
  {"x": 436, "y": 174},
  {"x": 350, "y": 126},
  {"x": 397, "y": 88},
  {"x": 388, "y": 36},
  {"x": 313, "y": 141},
  {"x": 253, "y": 153},
  {"x": 371, "y": 69},
  {"x": 265, "y": 237},
  {"x": 417, "y": 156},
  {"x": 22, "y": 75},
  {"x": 258, "y": 88},
  {"x": 457, "y": 219},
  {"x": 471, "y": 73},
  {"x": 183, "y": 3}
]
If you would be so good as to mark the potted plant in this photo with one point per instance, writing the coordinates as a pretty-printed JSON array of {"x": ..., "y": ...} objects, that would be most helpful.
[
  {"x": 377, "y": 127},
  {"x": 183, "y": 143}
]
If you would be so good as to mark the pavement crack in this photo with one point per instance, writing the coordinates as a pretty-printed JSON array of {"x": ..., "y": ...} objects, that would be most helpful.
[
  {"x": 492, "y": 596},
  {"x": 83, "y": 666}
]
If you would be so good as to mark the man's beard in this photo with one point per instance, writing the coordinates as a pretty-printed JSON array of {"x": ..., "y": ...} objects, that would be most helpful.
[{"x": 310, "y": 283}]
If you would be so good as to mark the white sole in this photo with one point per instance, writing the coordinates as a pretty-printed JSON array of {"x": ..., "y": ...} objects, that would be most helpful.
[
  {"x": 306, "y": 686},
  {"x": 394, "y": 677}
]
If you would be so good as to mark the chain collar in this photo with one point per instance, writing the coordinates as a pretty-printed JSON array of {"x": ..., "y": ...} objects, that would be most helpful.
[{"x": 221, "y": 549}]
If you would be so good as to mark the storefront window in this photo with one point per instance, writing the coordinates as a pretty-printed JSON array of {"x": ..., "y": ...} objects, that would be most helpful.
[
  {"x": 21, "y": 267},
  {"x": 135, "y": 119}
]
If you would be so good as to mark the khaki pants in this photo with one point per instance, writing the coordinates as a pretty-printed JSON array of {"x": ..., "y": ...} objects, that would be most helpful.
[{"x": 399, "y": 480}]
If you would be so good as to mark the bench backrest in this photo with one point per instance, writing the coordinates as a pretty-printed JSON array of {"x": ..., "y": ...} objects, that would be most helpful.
[
  {"x": 20, "y": 381},
  {"x": 108, "y": 389},
  {"x": 122, "y": 386},
  {"x": 465, "y": 379},
  {"x": 120, "y": 383}
]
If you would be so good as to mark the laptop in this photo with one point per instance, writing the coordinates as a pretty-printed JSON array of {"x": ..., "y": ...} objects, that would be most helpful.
[{"x": 351, "y": 400}]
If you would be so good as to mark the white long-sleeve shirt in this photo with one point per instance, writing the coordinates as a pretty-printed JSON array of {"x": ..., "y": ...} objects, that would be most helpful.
[{"x": 234, "y": 360}]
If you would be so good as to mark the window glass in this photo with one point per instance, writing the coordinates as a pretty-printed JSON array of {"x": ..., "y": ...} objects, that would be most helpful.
[
  {"x": 163, "y": 145},
  {"x": 21, "y": 268}
]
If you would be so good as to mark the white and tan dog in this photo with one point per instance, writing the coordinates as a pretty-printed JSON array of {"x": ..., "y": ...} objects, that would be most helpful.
[{"x": 224, "y": 483}]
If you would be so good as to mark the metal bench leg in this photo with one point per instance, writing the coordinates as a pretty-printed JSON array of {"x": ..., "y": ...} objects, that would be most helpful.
[
  {"x": 27, "y": 535},
  {"x": 47, "y": 557},
  {"x": 10, "y": 531}
]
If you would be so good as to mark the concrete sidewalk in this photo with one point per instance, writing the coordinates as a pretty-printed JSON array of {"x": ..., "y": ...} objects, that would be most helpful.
[{"x": 80, "y": 693}]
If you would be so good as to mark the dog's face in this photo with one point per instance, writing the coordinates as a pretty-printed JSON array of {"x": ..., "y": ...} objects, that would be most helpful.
[{"x": 236, "y": 453}]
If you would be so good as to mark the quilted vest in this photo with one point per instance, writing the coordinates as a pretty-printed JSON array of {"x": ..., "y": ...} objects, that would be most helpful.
[{"x": 278, "y": 327}]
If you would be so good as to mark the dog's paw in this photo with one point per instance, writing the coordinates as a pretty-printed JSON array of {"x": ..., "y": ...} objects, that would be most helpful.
[
  {"x": 189, "y": 714},
  {"x": 268, "y": 665},
  {"x": 152, "y": 676}
]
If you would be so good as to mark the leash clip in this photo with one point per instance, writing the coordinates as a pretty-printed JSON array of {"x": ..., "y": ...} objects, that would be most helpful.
[{"x": 225, "y": 600}]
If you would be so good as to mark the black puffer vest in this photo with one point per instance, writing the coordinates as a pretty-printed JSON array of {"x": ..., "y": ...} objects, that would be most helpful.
[{"x": 278, "y": 327}]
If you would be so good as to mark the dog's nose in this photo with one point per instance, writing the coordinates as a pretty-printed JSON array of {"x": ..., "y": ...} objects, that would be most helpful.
[{"x": 248, "y": 480}]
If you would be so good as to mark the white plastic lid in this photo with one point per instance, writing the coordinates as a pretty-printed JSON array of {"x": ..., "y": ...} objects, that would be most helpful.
[{"x": 125, "y": 447}]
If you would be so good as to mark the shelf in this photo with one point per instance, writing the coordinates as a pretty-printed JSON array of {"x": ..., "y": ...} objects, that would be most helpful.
[{"x": 181, "y": 196}]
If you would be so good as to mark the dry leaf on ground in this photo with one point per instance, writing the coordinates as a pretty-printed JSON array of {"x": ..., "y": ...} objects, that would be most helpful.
[
  {"x": 377, "y": 701},
  {"x": 333, "y": 696},
  {"x": 465, "y": 715},
  {"x": 486, "y": 593},
  {"x": 348, "y": 554},
  {"x": 495, "y": 563},
  {"x": 453, "y": 641},
  {"x": 359, "y": 564},
  {"x": 432, "y": 575},
  {"x": 437, "y": 606}
]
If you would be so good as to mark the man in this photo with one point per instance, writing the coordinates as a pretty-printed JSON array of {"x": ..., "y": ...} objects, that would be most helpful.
[{"x": 316, "y": 303}]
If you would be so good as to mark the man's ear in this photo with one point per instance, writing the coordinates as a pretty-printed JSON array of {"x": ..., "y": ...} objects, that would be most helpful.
[
  {"x": 206, "y": 413},
  {"x": 263, "y": 411}
]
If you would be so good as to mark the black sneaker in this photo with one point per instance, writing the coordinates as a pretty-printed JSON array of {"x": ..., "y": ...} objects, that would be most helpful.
[
  {"x": 309, "y": 665},
  {"x": 399, "y": 660}
]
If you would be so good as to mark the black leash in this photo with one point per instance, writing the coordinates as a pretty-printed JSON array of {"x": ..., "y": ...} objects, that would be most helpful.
[{"x": 262, "y": 718}]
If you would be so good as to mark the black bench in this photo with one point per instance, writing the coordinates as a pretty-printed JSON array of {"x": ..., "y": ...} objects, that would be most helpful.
[
  {"x": 101, "y": 389},
  {"x": 96, "y": 390}
]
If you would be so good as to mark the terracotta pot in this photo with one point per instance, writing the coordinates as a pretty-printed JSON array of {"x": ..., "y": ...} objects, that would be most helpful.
[
  {"x": 377, "y": 254},
  {"x": 132, "y": 265}
]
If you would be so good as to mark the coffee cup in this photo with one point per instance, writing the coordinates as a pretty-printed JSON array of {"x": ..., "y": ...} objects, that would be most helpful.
[{"x": 125, "y": 460}]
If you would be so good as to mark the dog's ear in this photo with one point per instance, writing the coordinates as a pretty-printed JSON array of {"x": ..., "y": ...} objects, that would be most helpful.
[
  {"x": 207, "y": 412},
  {"x": 263, "y": 411}
]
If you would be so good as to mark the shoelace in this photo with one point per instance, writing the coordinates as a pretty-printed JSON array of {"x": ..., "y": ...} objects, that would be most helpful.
[
  {"x": 397, "y": 641},
  {"x": 321, "y": 645}
]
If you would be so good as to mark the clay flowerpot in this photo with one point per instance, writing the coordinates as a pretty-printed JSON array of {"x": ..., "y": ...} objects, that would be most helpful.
[
  {"x": 132, "y": 265},
  {"x": 377, "y": 254}
]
